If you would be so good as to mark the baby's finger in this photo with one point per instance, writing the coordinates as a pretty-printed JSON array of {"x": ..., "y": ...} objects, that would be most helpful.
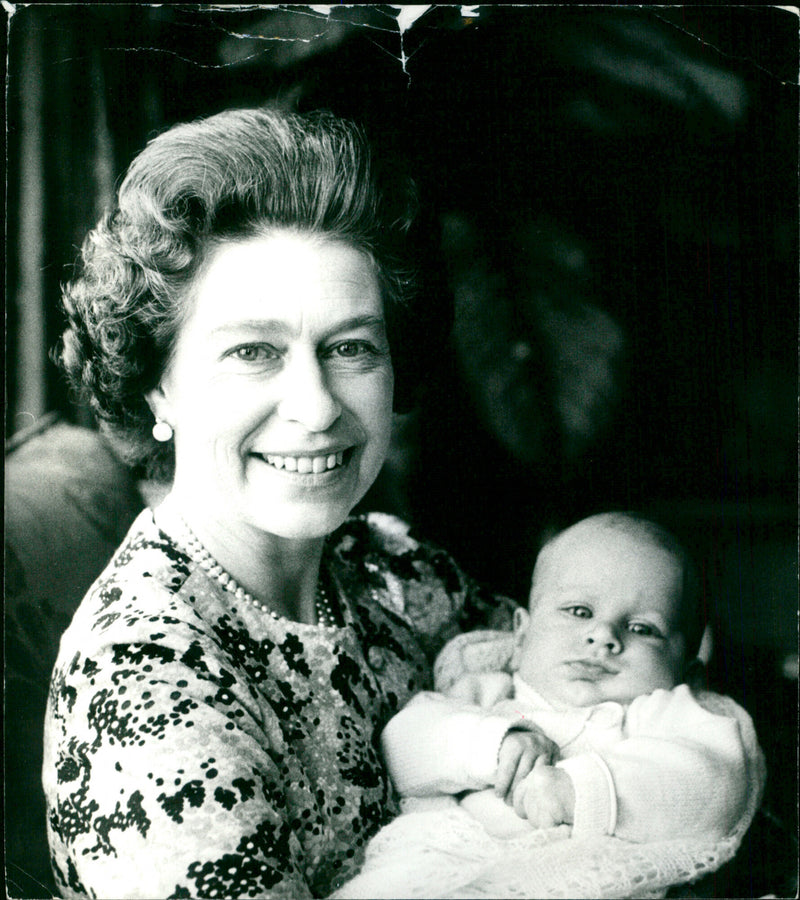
[
  {"x": 506, "y": 767},
  {"x": 549, "y": 753},
  {"x": 524, "y": 767},
  {"x": 518, "y": 800},
  {"x": 540, "y": 763}
]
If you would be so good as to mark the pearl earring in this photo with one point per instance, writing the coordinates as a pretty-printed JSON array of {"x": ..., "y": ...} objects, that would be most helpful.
[{"x": 162, "y": 431}]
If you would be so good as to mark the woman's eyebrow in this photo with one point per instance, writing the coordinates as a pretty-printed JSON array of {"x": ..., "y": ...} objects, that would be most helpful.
[
  {"x": 356, "y": 322},
  {"x": 282, "y": 327},
  {"x": 252, "y": 325}
]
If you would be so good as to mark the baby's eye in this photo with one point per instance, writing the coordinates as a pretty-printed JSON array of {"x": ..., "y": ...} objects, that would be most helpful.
[
  {"x": 254, "y": 353},
  {"x": 643, "y": 629},
  {"x": 580, "y": 612}
]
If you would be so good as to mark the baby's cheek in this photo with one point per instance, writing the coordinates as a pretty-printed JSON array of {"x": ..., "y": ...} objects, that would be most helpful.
[{"x": 666, "y": 672}]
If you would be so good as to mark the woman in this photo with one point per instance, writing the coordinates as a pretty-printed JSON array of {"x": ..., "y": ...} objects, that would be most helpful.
[{"x": 215, "y": 706}]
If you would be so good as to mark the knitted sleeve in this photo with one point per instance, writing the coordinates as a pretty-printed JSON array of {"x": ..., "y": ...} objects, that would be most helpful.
[
  {"x": 437, "y": 745},
  {"x": 686, "y": 766}
]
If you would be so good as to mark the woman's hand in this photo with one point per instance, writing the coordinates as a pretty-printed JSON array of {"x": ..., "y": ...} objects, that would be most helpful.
[
  {"x": 546, "y": 797},
  {"x": 519, "y": 751}
]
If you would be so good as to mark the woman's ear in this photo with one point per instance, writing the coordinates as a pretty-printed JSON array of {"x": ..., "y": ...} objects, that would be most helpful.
[
  {"x": 522, "y": 620},
  {"x": 159, "y": 406}
]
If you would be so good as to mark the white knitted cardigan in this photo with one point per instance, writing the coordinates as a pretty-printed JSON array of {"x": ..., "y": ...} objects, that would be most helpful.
[{"x": 441, "y": 851}]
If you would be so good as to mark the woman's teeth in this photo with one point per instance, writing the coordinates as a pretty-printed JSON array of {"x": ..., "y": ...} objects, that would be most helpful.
[{"x": 305, "y": 465}]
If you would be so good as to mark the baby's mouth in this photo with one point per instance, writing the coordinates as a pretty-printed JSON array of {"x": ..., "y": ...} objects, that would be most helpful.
[
  {"x": 307, "y": 465},
  {"x": 589, "y": 668}
]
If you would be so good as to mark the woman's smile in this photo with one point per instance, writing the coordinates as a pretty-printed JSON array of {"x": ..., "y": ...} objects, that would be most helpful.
[
  {"x": 308, "y": 469},
  {"x": 303, "y": 465}
]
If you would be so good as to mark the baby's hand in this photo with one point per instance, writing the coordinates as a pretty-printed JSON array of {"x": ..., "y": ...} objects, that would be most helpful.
[
  {"x": 518, "y": 753},
  {"x": 545, "y": 798}
]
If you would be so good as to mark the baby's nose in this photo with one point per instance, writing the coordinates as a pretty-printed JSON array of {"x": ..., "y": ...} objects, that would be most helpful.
[{"x": 605, "y": 635}]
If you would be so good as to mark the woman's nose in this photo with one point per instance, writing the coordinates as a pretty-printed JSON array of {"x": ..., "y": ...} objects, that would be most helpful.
[
  {"x": 306, "y": 397},
  {"x": 605, "y": 635}
]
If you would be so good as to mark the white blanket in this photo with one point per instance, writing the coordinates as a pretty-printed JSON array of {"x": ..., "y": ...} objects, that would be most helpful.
[{"x": 444, "y": 852}]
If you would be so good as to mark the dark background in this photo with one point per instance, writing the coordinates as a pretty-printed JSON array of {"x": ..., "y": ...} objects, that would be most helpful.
[{"x": 609, "y": 201}]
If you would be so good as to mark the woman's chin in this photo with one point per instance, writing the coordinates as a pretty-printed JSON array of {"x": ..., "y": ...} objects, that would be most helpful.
[
  {"x": 301, "y": 519},
  {"x": 291, "y": 521},
  {"x": 307, "y": 527}
]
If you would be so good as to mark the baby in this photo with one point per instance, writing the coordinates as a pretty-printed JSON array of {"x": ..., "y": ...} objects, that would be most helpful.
[{"x": 594, "y": 731}]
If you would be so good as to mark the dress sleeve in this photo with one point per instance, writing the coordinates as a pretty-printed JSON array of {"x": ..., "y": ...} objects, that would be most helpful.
[
  {"x": 161, "y": 780},
  {"x": 424, "y": 585},
  {"x": 686, "y": 766}
]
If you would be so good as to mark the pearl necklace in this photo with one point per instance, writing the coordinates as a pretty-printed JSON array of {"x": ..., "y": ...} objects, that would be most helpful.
[{"x": 326, "y": 616}]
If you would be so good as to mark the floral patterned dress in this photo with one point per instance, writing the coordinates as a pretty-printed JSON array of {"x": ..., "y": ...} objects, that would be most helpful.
[{"x": 196, "y": 746}]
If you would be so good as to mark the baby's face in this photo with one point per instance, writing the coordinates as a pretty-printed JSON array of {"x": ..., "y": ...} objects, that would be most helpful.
[{"x": 604, "y": 620}]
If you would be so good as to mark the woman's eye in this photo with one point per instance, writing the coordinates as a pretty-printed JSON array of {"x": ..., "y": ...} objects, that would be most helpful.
[
  {"x": 352, "y": 349},
  {"x": 356, "y": 351},
  {"x": 580, "y": 612},
  {"x": 253, "y": 353}
]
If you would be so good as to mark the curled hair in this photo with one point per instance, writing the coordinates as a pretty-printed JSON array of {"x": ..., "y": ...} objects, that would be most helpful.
[{"x": 230, "y": 176}]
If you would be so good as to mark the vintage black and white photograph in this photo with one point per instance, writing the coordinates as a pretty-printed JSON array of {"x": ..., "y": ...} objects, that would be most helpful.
[{"x": 401, "y": 483}]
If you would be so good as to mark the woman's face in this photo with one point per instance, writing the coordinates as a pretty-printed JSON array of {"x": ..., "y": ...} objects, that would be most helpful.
[{"x": 279, "y": 391}]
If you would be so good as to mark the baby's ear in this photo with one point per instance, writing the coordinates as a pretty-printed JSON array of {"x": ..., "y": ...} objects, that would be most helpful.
[
  {"x": 522, "y": 620},
  {"x": 695, "y": 675}
]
